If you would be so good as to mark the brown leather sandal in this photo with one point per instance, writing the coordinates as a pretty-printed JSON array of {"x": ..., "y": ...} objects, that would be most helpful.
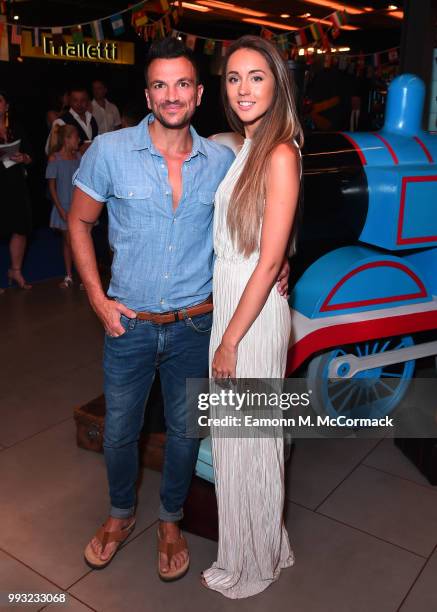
[
  {"x": 105, "y": 537},
  {"x": 170, "y": 549}
]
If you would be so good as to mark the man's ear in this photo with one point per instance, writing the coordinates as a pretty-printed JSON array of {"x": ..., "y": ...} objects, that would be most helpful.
[
  {"x": 200, "y": 89},
  {"x": 146, "y": 93}
]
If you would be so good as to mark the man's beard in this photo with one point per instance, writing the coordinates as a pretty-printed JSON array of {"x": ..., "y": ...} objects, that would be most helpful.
[{"x": 186, "y": 119}]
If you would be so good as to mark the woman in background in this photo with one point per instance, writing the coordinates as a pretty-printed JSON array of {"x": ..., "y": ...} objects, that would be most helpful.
[
  {"x": 255, "y": 207},
  {"x": 15, "y": 209}
]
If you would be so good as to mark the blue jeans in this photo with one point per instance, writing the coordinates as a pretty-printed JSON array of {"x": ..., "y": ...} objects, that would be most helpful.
[{"x": 180, "y": 351}]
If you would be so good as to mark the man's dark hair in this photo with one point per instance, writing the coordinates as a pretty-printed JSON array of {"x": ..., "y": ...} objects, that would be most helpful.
[
  {"x": 170, "y": 48},
  {"x": 78, "y": 88},
  {"x": 99, "y": 80}
]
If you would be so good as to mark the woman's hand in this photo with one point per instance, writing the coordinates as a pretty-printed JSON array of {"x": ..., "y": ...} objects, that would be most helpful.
[
  {"x": 224, "y": 364},
  {"x": 21, "y": 158}
]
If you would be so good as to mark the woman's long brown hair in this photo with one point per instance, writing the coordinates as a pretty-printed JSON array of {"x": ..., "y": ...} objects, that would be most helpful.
[{"x": 280, "y": 124}]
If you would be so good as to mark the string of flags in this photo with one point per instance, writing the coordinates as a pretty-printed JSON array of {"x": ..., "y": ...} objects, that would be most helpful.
[
  {"x": 140, "y": 20},
  {"x": 318, "y": 36}
]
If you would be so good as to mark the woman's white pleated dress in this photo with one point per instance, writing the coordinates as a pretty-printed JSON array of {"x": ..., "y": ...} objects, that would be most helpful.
[{"x": 249, "y": 472}]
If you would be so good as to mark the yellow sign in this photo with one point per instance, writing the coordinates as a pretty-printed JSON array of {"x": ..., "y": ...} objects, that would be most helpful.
[{"x": 106, "y": 51}]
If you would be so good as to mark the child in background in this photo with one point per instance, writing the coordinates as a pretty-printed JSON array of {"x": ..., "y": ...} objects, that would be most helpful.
[{"x": 64, "y": 159}]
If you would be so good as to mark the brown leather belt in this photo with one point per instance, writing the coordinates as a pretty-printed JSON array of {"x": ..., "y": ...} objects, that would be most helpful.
[{"x": 177, "y": 315}]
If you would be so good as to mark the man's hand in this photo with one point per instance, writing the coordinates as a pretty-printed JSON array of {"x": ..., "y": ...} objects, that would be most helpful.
[
  {"x": 282, "y": 281},
  {"x": 109, "y": 312}
]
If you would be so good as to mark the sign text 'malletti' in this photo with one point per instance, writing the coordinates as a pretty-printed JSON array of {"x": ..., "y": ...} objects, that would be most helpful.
[{"x": 101, "y": 50}]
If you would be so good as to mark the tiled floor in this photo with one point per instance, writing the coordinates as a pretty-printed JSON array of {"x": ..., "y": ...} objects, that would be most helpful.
[{"x": 362, "y": 519}]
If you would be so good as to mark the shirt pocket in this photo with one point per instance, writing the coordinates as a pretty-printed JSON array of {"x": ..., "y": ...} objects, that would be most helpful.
[
  {"x": 199, "y": 211},
  {"x": 134, "y": 205}
]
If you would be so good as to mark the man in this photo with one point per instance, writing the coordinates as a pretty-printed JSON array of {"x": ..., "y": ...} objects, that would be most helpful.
[
  {"x": 105, "y": 113},
  {"x": 79, "y": 116},
  {"x": 159, "y": 181}
]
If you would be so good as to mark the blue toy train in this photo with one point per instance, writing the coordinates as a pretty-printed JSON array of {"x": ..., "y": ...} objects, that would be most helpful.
[{"x": 364, "y": 274}]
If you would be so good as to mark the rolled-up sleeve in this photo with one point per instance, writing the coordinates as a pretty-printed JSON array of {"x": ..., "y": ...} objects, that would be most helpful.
[{"x": 93, "y": 176}]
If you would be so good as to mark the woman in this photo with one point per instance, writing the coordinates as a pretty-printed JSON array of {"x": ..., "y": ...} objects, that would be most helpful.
[
  {"x": 59, "y": 104},
  {"x": 16, "y": 212},
  {"x": 254, "y": 214}
]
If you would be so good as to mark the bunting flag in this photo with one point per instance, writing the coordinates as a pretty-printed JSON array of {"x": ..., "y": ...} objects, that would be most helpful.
[
  {"x": 209, "y": 46},
  {"x": 58, "y": 39},
  {"x": 326, "y": 45},
  {"x": 301, "y": 38},
  {"x": 175, "y": 16},
  {"x": 167, "y": 24},
  {"x": 138, "y": 15},
  {"x": 225, "y": 46},
  {"x": 190, "y": 41},
  {"x": 335, "y": 32},
  {"x": 77, "y": 35},
  {"x": 164, "y": 5},
  {"x": 3, "y": 7},
  {"x": 282, "y": 42},
  {"x": 316, "y": 31},
  {"x": 267, "y": 34},
  {"x": 339, "y": 19},
  {"x": 16, "y": 35},
  {"x": 36, "y": 39},
  {"x": 97, "y": 30},
  {"x": 117, "y": 24},
  {"x": 4, "y": 44}
]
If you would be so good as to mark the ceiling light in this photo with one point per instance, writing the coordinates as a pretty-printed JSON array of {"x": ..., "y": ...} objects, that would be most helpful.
[
  {"x": 233, "y": 8},
  {"x": 392, "y": 7},
  {"x": 16, "y": 17},
  {"x": 195, "y": 7},
  {"x": 272, "y": 24},
  {"x": 344, "y": 48},
  {"x": 285, "y": 16},
  {"x": 325, "y": 21},
  {"x": 396, "y": 14},
  {"x": 301, "y": 51},
  {"x": 305, "y": 15},
  {"x": 353, "y": 10}
]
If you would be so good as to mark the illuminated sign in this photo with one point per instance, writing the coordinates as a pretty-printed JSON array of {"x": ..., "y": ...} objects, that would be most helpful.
[{"x": 106, "y": 51}]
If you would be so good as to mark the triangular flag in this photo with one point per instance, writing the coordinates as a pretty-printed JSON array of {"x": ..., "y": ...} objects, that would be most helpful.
[
  {"x": 335, "y": 32},
  {"x": 4, "y": 43},
  {"x": 164, "y": 5},
  {"x": 36, "y": 41},
  {"x": 190, "y": 41},
  {"x": 209, "y": 46},
  {"x": 117, "y": 24},
  {"x": 3, "y": 7},
  {"x": 167, "y": 24},
  {"x": 16, "y": 35},
  {"x": 97, "y": 30},
  {"x": 77, "y": 35},
  {"x": 282, "y": 42}
]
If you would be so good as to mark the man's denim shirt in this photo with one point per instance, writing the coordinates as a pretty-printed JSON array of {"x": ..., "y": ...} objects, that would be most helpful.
[{"x": 163, "y": 259}]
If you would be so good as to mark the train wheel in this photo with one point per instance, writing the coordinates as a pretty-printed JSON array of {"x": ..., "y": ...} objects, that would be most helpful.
[{"x": 372, "y": 393}]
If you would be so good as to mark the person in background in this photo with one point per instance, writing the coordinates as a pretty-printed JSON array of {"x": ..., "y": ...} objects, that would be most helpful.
[
  {"x": 105, "y": 113},
  {"x": 59, "y": 104},
  {"x": 64, "y": 160},
  {"x": 16, "y": 209},
  {"x": 132, "y": 114},
  {"x": 79, "y": 116}
]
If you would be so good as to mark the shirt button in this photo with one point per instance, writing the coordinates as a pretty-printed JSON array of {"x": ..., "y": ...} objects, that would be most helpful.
[
  {"x": 165, "y": 275},
  {"x": 162, "y": 300},
  {"x": 170, "y": 247},
  {"x": 162, "y": 166},
  {"x": 131, "y": 193},
  {"x": 167, "y": 193}
]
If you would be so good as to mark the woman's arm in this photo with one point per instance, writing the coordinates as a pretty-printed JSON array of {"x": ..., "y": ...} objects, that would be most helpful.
[{"x": 282, "y": 190}]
